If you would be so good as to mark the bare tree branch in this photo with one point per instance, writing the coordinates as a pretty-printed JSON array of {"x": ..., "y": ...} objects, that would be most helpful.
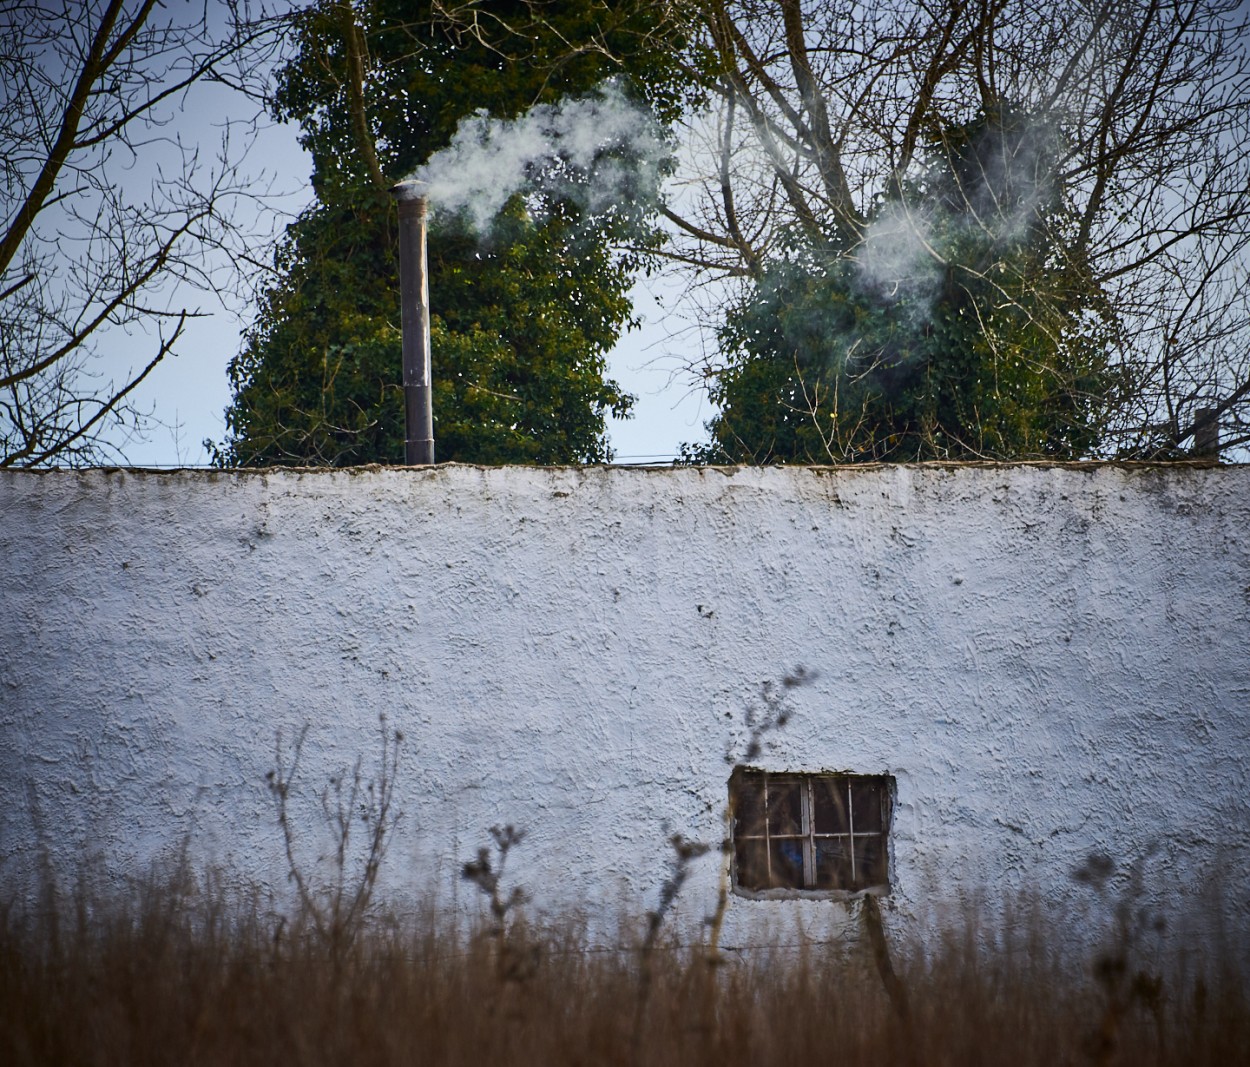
[
  {"x": 104, "y": 211},
  {"x": 354, "y": 42}
]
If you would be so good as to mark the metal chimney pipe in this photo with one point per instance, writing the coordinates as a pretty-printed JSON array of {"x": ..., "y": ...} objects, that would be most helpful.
[
  {"x": 414, "y": 296},
  {"x": 1206, "y": 433}
]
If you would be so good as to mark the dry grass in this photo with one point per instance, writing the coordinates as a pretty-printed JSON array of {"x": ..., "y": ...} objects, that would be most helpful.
[{"x": 176, "y": 974}]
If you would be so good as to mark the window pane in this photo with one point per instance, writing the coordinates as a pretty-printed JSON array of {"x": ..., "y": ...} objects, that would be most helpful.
[
  {"x": 833, "y": 863},
  {"x": 752, "y": 864},
  {"x": 870, "y": 862},
  {"x": 785, "y": 807},
  {"x": 829, "y": 802},
  {"x": 787, "y": 864},
  {"x": 866, "y": 804},
  {"x": 749, "y": 806}
]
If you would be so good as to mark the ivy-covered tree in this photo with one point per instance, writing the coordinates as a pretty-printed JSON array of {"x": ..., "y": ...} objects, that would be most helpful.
[
  {"x": 523, "y": 315},
  {"x": 956, "y": 327},
  {"x": 813, "y": 174}
]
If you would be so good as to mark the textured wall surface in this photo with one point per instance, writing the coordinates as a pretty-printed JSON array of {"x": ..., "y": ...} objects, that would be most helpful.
[{"x": 1050, "y": 661}]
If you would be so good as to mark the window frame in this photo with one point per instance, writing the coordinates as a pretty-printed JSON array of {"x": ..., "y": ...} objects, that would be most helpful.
[{"x": 747, "y": 777}]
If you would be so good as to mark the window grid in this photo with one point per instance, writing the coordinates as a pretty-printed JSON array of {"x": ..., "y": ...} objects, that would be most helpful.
[{"x": 807, "y": 836}]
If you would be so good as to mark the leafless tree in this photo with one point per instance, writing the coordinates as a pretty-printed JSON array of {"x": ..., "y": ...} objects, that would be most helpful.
[
  {"x": 104, "y": 208},
  {"x": 821, "y": 111}
]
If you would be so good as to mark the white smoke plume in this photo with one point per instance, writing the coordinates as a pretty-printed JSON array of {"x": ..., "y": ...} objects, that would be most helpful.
[
  {"x": 1004, "y": 184},
  {"x": 599, "y": 150},
  {"x": 897, "y": 259}
]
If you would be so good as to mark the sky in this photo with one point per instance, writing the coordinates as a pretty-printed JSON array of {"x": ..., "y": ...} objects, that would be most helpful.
[{"x": 187, "y": 394}]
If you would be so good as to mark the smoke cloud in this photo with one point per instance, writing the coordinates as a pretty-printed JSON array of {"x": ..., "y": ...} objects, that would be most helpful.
[
  {"x": 994, "y": 193},
  {"x": 897, "y": 260},
  {"x": 601, "y": 150}
]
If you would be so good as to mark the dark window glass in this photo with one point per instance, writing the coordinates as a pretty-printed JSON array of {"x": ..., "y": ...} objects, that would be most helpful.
[
  {"x": 866, "y": 804},
  {"x": 749, "y": 808},
  {"x": 787, "y": 857},
  {"x": 829, "y": 803},
  {"x": 833, "y": 863},
  {"x": 752, "y": 864},
  {"x": 869, "y": 862},
  {"x": 785, "y": 807}
]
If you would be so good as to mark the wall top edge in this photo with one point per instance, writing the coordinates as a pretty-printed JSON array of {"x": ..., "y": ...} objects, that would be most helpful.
[{"x": 213, "y": 473}]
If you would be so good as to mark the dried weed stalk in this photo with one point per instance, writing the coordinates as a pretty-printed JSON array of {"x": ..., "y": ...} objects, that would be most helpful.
[
  {"x": 515, "y": 958},
  {"x": 353, "y": 809},
  {"x": 771, "y": 713},
  {"x": 1123, "y": 980}
]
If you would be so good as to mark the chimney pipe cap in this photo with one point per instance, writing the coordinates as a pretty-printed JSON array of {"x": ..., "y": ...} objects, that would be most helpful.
[{"x": 409, "y": 190}]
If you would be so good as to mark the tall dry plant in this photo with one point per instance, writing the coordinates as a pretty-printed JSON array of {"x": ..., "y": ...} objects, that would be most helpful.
[
  {"x": 515, "y": 957},
  {"x": 358, "y": 819}
]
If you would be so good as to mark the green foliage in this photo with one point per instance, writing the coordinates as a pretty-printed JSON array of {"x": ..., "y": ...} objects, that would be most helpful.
[
  {"x": 522, "y": 318},
  {"x": 957, "y": 328}
]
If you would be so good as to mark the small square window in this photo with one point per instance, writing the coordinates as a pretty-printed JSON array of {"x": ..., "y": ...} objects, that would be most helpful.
[{"x": 809, "y": 834}]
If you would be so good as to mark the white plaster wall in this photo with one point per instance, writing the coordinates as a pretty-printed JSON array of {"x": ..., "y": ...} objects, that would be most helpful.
[{"x": 1050, "y": 660}]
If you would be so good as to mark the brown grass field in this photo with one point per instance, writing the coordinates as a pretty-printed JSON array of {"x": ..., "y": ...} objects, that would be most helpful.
[{"x": 178, "y": 973}]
